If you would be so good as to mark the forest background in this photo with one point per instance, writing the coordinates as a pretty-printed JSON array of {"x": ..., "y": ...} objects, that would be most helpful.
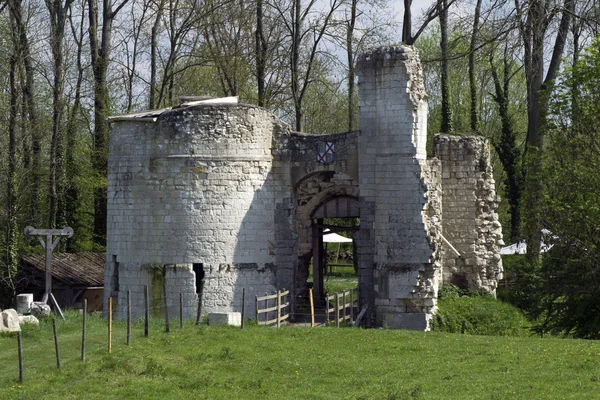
[{"x": 524, "y": 74}]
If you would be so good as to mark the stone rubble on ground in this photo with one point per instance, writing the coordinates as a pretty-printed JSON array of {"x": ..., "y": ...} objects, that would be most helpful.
[
  {"x": 28, "y": 319},
  {"x": 40, "y": 309},
  {"x": 9, "y": 321}
]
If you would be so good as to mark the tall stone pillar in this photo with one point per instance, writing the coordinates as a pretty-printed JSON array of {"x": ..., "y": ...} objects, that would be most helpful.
[{"x": 400, "y": 203}]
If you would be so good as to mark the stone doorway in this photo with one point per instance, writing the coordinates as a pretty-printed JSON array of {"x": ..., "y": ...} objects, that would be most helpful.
[{"x": 340, "y": 214}]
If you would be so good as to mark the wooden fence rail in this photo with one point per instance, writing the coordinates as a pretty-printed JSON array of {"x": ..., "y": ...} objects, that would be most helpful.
[
  {"x": 341, "y": 305},
  {"x": 275, "y": 308}
]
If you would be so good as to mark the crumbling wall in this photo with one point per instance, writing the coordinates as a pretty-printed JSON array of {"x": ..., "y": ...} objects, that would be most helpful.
[
  {"x": 398, "y": 246},
  {"x": 195, "y": 187},
  {"x": 470, "y": 218}
]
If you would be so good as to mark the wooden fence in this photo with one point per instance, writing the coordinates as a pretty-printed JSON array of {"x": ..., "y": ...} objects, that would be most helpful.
[
  {"x": 275, "y": 308},
  {"x": 341, "y": 305}
]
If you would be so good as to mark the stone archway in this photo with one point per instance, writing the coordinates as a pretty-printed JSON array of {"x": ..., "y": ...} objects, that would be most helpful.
[
  {"x": 324, "y": 194},
  {"x": 337, "y": 207}
]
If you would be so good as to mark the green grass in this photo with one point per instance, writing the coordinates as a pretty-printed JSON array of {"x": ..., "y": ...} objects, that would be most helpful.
[
  {"x": 296, "y": 363},
  {"x": 483, "y": 315}
]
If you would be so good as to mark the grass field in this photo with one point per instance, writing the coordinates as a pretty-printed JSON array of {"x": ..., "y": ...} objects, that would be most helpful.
[{"x": 295, "y": 363}]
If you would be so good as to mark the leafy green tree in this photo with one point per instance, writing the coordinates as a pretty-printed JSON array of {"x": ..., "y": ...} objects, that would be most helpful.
[{"x": 571, "y": 269}]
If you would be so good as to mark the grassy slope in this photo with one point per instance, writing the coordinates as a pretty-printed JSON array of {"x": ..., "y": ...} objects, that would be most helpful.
[{"x": 323, "y": 363}]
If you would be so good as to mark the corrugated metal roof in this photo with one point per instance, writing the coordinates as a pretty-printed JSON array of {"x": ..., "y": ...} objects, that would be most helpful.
[{"x": 72, "y": 269}]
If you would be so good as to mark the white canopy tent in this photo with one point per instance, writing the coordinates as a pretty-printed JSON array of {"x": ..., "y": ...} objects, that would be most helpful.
[
  {"x": 334, "y": 237},
  {"x": 521, "y": 247}
]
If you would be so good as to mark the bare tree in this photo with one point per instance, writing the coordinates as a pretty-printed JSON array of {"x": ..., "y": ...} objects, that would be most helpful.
[
  {"x": 100, "y": 49},
  {"x": 534, "y": 21},
  {"x": 58, "y": 17},
  {"x": 29, "y": 116}
]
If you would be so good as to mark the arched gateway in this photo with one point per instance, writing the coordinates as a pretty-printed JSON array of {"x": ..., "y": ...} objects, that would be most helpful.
[{"x": 226, "y": 192}]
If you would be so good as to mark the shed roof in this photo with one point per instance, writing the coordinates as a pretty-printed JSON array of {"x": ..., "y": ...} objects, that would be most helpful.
[{"x": 72, "y": 269}]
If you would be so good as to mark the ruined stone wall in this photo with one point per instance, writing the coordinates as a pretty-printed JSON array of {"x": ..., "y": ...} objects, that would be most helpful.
[
  {"x": 196, "y": 187},
  {"x": 470, "y": 218},
  {"x": 398, "y": 253}
]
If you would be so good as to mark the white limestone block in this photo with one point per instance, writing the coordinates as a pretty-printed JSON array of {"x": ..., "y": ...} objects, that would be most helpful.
[
  {"x": 24, "y": 301},
  {"x": 225, "y": 318},
  {"x": 9, "y": 321}
]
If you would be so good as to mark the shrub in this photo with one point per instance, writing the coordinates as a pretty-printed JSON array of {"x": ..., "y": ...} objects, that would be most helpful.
[{"x": 483, "y": 315}]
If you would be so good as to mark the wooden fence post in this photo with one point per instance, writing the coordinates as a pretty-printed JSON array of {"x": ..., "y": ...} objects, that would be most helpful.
[
  {"x": 351, "y": 304},
  {"x": 20, "y": 350},
  {"x": 312, "y": 308},
  {"x": 128, "y": 317},
  {"x": 337, "y": 310},
  {"x": 180, "y": 310},
  {"x": 243, "y": 306},
  {"x": 83, "y": 330},
  {"x": 146, "y": 310},
  {"x": 56, "y": 343},
  {"x": 278, "y": 308},
  {"x": 327, "y": 307},
  {"x": 167, "y": 325},
  {"x": 257, "y": 309},
  {"x": 344, "y": 301},
  {"x": 110, "y": 324},
  {"x": 199, "y": 311},
  {"x": 266, "y": 306}
]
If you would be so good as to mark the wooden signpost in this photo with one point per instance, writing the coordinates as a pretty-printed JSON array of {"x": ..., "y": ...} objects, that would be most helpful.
[{"x": 49, "y": 244}]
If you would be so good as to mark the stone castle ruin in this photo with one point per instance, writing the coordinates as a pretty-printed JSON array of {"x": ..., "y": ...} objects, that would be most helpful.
[{"x": 227, "y": 194}]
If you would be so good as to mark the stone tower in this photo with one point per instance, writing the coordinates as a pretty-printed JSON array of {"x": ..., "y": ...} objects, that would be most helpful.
[{"x": 399, "y": 260}]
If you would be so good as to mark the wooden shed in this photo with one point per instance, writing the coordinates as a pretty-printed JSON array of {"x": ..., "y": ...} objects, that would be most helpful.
[{"x": 75, "y": 277}]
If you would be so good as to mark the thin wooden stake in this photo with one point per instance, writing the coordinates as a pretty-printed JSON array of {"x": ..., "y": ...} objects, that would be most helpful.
[
  {"x": 243, "y": 306},
  {"x": 327, "y": 307},
  {"x": 257, "y": 309},
  {"x": 83, "y": 330},
  {"x": 56, "y": 306},
  {"x": 110, "y": 311},
  {"x": 462, "y": 328},
  {"x": 146, "y": 310},
  {"x": 344, "y": 309},
  {"x": 199, "y": 311},
  {"x": 56, "y": 343},
  {"x": 351, "y": 304},
  {"x": 337, "y": 310},
  {"x": 312, "y": 308},
  {"x": 20, "y": 350},
  {"x": 128, "y": 317},
  {"x": 180, "y": 310},
  {"x": 167, "y": 325},
  {"x": 278, "y": 308}
]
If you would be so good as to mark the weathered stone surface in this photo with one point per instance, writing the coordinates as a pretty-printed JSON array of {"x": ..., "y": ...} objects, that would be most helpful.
[
  {"x": 227, "y": 195},
  {"x": 9, "y": 321},
  {"x": 470, "y": 218},
  {"x": 24, "y": 301},
  {"x": 39, "y": 309},
  {"x": 225, "y": 318},
  {"x": 28, "y": 319}
]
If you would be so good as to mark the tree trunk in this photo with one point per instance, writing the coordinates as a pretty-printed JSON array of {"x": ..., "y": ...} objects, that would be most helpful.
[
  {"x": 100, "y": 56},
  {"x": 261, "y": 53},
  {"x": 153, "y": 54},
  {"x": 538, "y": 93},
  {"x": 11, "y": 262},
  {"x": 446, "y": 98},
  {"x": 31, "y": 125},
  {"x": 407, "y": 24},
  {"x": 351, "y": 67},
  {"x": 58, "y": 16},
  {"x": 507, "y": 149},
  {"x": 472, "y": 84},
  {"x": 71, "y": 197}
]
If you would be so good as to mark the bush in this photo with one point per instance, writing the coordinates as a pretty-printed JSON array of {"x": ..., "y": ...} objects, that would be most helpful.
[
  {"x": 525, "y": 290},
  {"x": 483, "y": 315}
]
